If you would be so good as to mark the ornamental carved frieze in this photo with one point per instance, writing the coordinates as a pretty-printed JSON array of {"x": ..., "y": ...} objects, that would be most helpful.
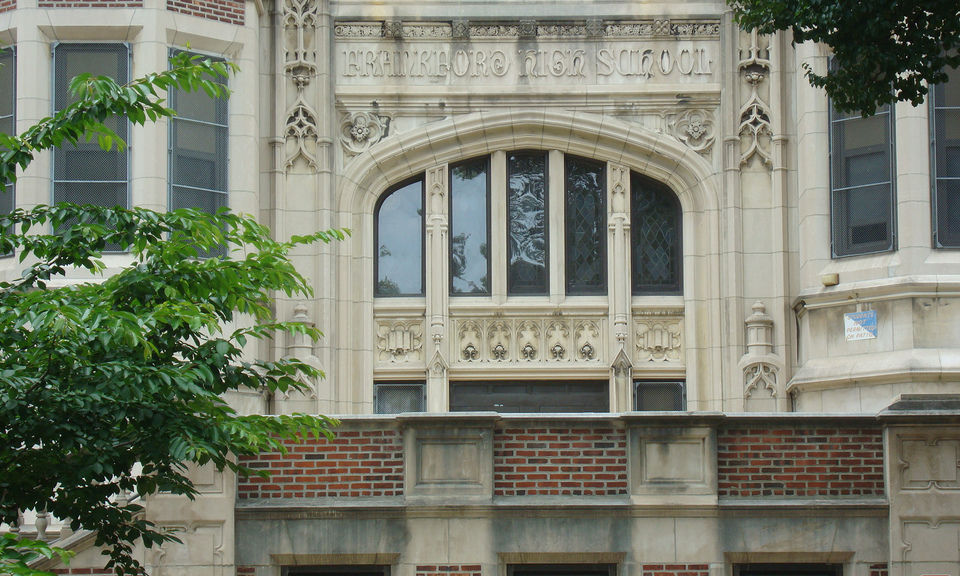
[
  {"x": 555, "y": 339},
  {"x": 530, "y": 29},
  {"x": 755, "y": 130},
  {"x": 361, "y": 130},
  {"x": 658, "y": 339},
  {"x": 400, "y": 341}
]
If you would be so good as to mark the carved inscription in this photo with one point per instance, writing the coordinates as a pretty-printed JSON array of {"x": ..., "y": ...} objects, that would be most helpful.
[{"x": 634, "y": 62}]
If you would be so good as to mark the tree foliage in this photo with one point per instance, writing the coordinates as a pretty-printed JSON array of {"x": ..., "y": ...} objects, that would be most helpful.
[
  {"x": 110, "y": 386},
  {"x": 883, "y": 51}
]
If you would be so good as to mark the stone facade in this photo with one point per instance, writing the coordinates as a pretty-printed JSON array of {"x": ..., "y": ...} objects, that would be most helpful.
[{"x": 772, "y": 447}]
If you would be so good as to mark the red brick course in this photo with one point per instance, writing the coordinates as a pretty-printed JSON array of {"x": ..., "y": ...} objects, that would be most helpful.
[
  {"x": 559, "y": 461},
  {"x": 878, "y": 569},
  {"x": 246, "y": 570},
  {"x": 356, "y": 463},
  {"x": 676, "y": 570},
  {"x": 90, "y": 3},
  {"x": 85, "y": 571},
  {"x": 449, "y": 570},
  {"x": 229, "y": 11},
  {"x": 800, "y": 461},
  {"x": 6, "y": 5}
]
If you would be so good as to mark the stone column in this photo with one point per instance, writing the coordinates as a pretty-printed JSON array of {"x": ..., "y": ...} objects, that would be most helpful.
[{"x": 437, "y": 264}]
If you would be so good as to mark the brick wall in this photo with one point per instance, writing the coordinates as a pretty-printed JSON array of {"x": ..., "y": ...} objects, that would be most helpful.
[
  {"x": 85, "y": 571},
  {"x": 245, "y": 570},
  {"x": 878, "y": 569},
  {"x": 6, "y": 5},
  {"x": 356, "y": 463},
  {"x": 229, "y": 11},
  {"x": 559, "y": 461},
  {"x": 676, "y": 570},
  {"x": 800, "y": 461},
  {"x": 449, "y": 570},
  {"x": 90, "y": 3}
]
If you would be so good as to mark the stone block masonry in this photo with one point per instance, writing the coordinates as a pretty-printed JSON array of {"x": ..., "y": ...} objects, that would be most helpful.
[
  {"x": 800, "y": 461},
  {"x": 585, "y": 461},
  {"x": 228, "y": 11},
  {"x": 356, "y": 463}
]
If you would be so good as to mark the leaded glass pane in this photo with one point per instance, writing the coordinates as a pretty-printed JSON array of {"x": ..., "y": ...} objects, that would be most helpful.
[
  {"x": 526, "y": 223},
  {"x": 655, "y": 235},
  {"x": 862, "y": 185},
  {"x": 946, "y": 160},
  {"x": 469, "y": 228},
  {"x": 400, "y": 242},
  {"x": 586, "y": 227}
]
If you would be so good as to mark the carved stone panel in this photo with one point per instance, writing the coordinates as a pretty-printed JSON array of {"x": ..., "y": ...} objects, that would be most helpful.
[
  {"x": 400, "y": 341},
  {"x": 929, "y": 462},
  {"x": 555, "y": 339},
  {"x": 442, "y": 461},
  {"x": 677, "y": 463},
  {"x": 658, "y": 339}
]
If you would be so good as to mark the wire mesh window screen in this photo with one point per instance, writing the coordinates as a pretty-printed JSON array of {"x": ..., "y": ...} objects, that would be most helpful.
[
  {"x": 656, "y": 237},
  {"x": 397, "y": 397},
  {"x": 198, "y": 152},
  {"x": 538, "y": 396},
  {"x": 84, "y": 173},
  {"x": 8, "y": 117},
  {"x": 561, "y": 570},
  {"x": 945, "y": 131},
  {"x": 861, "y": 176},
  {"x": 659, "y": 396},
  {"x": 585, "y": 214}
]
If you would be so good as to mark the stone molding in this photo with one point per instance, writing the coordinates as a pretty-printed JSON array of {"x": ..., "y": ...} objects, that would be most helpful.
[{"x": 530, "y": 29}]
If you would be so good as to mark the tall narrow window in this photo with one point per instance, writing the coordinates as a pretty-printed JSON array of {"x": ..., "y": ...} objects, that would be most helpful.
[
  {"x": 399, "y": 241},
  {"x": 198, "y": 151},
  {"x": 586, "y": 226},
  {"x": 656, "y": 233},
  {"x": 527, "y": 223},
  {"x": 945, "y": 131},
  {"x": 470, "y": 228},
  {"x": 84, "y": 173},
  {"x": 861, "y": 175},
  {"x": 8, "y": 118}
]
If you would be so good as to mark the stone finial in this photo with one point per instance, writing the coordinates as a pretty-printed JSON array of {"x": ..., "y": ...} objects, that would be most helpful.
[
  {"x": 300, "y": 344},
  {"x": 759, "y": 330}
]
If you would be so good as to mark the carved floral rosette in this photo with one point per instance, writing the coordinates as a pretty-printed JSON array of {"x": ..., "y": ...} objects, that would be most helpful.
[{"x": 554, "y": 339}]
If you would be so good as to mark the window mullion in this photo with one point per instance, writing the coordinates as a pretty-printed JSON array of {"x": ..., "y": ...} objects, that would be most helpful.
[
  {"x": 498, "y": 226},
  {"x": 555, "y": 225}
]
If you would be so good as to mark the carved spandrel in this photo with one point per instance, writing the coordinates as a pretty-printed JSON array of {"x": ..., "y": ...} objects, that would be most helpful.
[
  {"x": 498, "y": 341},
  {"x": 658, "y": 339},
  {"x": 400, "y": 341}
]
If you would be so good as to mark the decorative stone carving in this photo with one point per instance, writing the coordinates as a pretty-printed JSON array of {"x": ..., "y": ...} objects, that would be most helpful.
[
  {"x": 593, "y": 28},
  {"x": 555, "y": 339},
  {"x": 659, "y": 339},
  {"x": 400, "y": 341},
  {"x": 302, "y": 134},
  {"x": 929, "y": 462},
  {"x": 755, "y": 130},
  {"x": 760, "y": 376},
  {"x": 360, "y": 130},
  {"x": 695, "y": 128}
]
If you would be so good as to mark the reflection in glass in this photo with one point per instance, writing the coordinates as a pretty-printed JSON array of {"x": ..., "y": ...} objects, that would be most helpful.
[
  {"x": 526, "y": 223},
  {"x": 469, "y": 257},
  {"x": 655, "y": 236},
  {"x": 400, "y": 242},
  {"x": 586, "y": 223}
]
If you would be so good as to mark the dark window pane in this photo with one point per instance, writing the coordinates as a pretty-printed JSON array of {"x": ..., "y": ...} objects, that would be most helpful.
[
  {"x": 586, "y": 227},
  {"x": 655, "y": 237},
  {"x": 469, "y": 228},
  {"x": 946, "y": 161},
  {"x": 400, "y": 242},
  {"x": 533, "y": 397},
  {"x": 8, "y": 120},
  {"x": 862, "y": 182},
  {"x": 396, "y": 397},
  {"x": 526, "y": 223},
  {"x": 84, "y": 173},
  {"x": 659, "y": 396}
]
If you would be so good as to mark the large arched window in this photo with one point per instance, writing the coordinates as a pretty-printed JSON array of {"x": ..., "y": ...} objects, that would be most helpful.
[
  {"x": 656, "y": 233},
  {"x": 399, "y": 241}
]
